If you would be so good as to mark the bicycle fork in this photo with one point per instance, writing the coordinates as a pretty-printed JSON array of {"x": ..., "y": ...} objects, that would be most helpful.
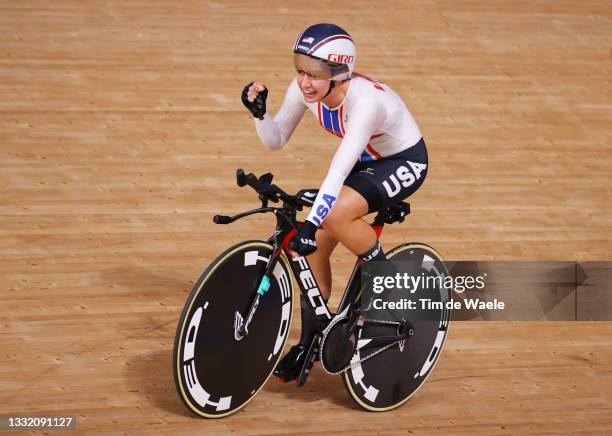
[
  {"x": 279, "y": 239},
  {"x": 241, "y": 324}
]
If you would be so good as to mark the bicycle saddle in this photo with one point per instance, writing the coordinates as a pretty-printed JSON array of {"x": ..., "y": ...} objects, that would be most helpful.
[{"x": 396, "y": 213}]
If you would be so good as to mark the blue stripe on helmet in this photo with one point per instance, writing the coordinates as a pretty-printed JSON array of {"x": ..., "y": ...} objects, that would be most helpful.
[{"x": 316, "y": 34}]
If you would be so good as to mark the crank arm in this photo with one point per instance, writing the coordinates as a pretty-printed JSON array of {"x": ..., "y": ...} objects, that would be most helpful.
[
  {"x": 403, "y": 330},
  {"x": 380, "y": 341}
]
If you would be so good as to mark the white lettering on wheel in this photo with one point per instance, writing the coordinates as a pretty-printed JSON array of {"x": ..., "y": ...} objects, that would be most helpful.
[{"x": 194, "y": 387}]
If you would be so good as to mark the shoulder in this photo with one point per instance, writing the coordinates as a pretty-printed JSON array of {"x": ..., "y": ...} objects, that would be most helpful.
[
  {"x": 367, "y": 94},
  {"x": 366, "y": 86}
]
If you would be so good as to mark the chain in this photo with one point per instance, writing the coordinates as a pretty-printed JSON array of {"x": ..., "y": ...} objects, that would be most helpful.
[{"x": 362, "y": 359}]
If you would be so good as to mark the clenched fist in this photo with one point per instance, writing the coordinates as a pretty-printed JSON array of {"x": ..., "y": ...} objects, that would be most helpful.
[{"x": 254, "y": 99}]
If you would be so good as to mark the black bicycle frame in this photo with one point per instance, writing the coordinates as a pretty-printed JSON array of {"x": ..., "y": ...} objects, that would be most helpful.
[
  {"x": 309, "y": 288},
  {"x": 305, "y": 278},
  {"x": 286, "y": 228}
]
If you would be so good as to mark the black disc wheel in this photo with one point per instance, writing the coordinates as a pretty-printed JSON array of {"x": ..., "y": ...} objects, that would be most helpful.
[
  {"x": 390, "y": 378},
  {"x": 216, "y": 370}
]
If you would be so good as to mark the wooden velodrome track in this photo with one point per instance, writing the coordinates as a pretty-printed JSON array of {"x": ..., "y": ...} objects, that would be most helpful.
[{"x": 120, "y": 131}]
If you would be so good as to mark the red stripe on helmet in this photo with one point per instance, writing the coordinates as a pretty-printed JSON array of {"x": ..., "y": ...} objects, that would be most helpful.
[{"x": 329, "y": 38}]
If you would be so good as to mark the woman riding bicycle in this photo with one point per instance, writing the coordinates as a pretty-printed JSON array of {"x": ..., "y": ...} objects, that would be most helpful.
[{"x": 381, "y": 160}]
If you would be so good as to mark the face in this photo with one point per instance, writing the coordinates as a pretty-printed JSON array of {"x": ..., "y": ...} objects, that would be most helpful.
[{"x": 313, "y": 89}]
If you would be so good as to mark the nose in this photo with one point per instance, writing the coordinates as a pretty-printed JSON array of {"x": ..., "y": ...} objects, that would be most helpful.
[{"x": 303, "y": 80}]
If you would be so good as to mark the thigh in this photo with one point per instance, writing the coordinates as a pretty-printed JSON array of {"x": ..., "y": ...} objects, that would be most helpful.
[{"x": 349, "y": 206}]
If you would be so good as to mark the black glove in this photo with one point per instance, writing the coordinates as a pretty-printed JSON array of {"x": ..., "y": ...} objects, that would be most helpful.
[
  {"x": 304, "y": 242},
  {"x": 258, "y": 105}
]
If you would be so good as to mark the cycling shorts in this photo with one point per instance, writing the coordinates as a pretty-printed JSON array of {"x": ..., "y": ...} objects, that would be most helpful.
[{"x": 391, "y": 179}]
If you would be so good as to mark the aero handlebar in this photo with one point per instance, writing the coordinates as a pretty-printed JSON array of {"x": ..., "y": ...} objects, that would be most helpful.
[{"x": 268, "y": 192}]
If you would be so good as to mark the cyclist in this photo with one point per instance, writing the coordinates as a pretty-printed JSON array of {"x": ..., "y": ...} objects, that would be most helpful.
[{"x": 381, "y": 160}]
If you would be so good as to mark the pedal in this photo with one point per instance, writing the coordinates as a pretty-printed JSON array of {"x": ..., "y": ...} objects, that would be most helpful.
[{"x": 311, "y": 357}]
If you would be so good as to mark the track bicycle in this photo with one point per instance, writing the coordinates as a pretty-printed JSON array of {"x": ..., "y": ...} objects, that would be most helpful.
[{"x": 233, "y": 328}]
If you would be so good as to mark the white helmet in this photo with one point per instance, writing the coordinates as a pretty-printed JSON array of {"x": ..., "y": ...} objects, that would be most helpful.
[{"x": 325, "y": 51}]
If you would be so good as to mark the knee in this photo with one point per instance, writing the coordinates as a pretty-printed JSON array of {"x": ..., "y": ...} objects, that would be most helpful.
[{"x": 337, "y": 220}]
